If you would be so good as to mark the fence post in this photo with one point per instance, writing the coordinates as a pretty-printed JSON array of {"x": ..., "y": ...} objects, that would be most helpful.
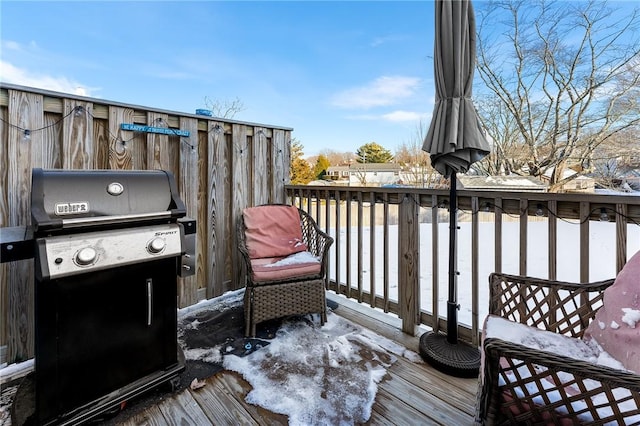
[{"x": 409, "y": 264}]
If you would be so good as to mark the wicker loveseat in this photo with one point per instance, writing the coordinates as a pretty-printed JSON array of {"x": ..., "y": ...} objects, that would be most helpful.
[
  {"x": 522, "y": 385},
  {"x": 270, "y": 238}
]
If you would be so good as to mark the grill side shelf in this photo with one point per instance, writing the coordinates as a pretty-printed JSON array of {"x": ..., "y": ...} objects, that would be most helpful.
[{"x": 16, "y": 243}]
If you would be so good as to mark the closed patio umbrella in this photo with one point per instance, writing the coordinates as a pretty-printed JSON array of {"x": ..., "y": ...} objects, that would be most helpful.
[{"x": 455, "y": 140}]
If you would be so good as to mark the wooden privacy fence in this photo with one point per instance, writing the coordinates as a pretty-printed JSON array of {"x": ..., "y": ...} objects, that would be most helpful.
[{"x": 220, "y": 167}]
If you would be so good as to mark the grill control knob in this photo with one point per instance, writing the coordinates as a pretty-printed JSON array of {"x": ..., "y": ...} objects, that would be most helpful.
[
  {"x": 156, "y": 245},
  {"x": 86, "y": 256}
]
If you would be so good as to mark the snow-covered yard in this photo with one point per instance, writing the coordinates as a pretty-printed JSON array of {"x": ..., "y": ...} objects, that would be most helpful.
[{"x": 602, "y": 243}]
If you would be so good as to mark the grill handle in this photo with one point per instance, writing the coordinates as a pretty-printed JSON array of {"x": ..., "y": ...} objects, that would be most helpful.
[
  {"x": 109, "y": 220},
  {"x": 149, "y": 300}
]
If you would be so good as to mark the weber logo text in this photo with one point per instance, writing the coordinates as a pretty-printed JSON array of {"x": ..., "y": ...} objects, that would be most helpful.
[{"x": 72, "y": 208}]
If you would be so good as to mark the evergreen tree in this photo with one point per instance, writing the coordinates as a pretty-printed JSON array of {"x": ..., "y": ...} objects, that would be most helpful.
[
  {"x": 322, "y": 164},
  {"x": 301, "y": 172},
  {"x": 373, "y": 153}
]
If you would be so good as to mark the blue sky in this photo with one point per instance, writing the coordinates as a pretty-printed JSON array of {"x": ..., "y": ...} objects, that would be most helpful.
[{"x": 341, "y": 74}]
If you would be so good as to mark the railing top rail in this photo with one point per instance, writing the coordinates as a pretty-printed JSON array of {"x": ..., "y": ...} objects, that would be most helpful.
[{"x": 608, "y": 199}]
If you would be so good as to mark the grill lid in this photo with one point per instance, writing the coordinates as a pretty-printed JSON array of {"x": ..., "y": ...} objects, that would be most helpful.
[{"x": 63, "y": 199}]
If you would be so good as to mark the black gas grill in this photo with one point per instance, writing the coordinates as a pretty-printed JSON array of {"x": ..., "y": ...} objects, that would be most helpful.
[{"x": 109, "y": 246}]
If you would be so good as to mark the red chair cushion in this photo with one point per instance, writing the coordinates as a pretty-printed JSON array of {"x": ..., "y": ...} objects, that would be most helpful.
[
  {"x": 282, "y": 268},
  {"x": 273, "y": 231},
  {"x": 617, "y": 324}
]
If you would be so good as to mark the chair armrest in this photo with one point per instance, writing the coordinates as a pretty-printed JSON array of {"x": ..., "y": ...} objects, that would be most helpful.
[
  {"x": 317, "y": 241},
  {"x": 558, "y": 306},
  {"x": 541, "y": 384}
]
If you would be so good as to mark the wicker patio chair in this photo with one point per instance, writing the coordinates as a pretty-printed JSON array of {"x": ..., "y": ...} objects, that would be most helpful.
[
  {"x": 294, "y": 291},
  {"x": 515, "y": 378}
]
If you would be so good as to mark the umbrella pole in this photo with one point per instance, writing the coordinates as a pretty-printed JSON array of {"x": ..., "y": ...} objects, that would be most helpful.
[
  {"x": 452, "y": 304},
  {"x": 442, "y": 351}
]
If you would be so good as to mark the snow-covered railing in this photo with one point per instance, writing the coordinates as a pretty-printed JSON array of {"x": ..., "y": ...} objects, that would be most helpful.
[{"x": 391, "y": 244}]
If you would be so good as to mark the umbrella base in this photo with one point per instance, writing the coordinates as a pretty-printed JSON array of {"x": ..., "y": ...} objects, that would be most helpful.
[{"x": 459, "y": 359}]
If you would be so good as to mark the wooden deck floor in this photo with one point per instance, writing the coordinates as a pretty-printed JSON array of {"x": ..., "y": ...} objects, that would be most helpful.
[{"x": 410, "y": 394}]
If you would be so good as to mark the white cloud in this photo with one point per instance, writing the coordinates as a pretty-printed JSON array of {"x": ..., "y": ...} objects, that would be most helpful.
[
  {"x": 403, "y": 116},
  {"x": 383, "y": 91},
  {"x": 14, "y": 75},
  {"x": 387, "y": 39},
  {"x": 398, "y": 116},
  {"x": 11, "y": 45}
]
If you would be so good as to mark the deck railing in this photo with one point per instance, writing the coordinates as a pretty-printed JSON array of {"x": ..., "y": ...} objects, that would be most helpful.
[{"x": 391, "y": 244}]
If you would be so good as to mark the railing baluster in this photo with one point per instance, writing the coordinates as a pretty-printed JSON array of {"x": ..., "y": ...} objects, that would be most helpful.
[
  {"x": 475, "y": 250},
  {"x": 585, "y": 212},
  {"x": 338, "y": 241},
  {"x": 385, "y": 200},
  {"x": 552, "y": 208},
  {"x": 348, "y": 237},
  {"x": 497, "y": 220},
  {"x": 434, "y": 263},
  {"x": 621, "y": 236},
  {"x": 327, "y": 228},
  {"x": 373, "y": 248},
  {"x": 360, "y": 237},
  {"x": 524, "y": 216}
]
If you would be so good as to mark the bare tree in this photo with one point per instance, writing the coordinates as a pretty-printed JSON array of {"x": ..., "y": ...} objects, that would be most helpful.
[
  {"x": 415, "y": 162},
  {"x": 224, "y": 109},
  {"x": 561, "y": 79},
  {"x": 338, "y": 158}
]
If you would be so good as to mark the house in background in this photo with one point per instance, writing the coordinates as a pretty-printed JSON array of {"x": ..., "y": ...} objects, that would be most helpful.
[
  {"x": 502, "y": 183},
  {"x": 584, "y": 184},
  {"x": 338, "y": 175},
  {"x": 365, "y": 174},
  {"x": 631, "y": 179}
]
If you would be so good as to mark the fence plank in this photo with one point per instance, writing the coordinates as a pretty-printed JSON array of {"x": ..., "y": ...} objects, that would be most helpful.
[
  {"x": 280, "y": 158},
  {"x": 260, "y": 170},
  {"x": 201, "y": 215},
  {"x": 158, "y": 152},
  {"x": 101, "y": 139},
  {"x": 26, "y": 112},
  {"x": 241, "y": 186},
  {"x": 189, "y": 193},
  {"x": 122, "y": 152},
  {"x": 49, "y": 146},
  {"x": 77, "y": 135},
  {"x": 4, "y": 221},
  {"x": 217, "y": 226}
]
